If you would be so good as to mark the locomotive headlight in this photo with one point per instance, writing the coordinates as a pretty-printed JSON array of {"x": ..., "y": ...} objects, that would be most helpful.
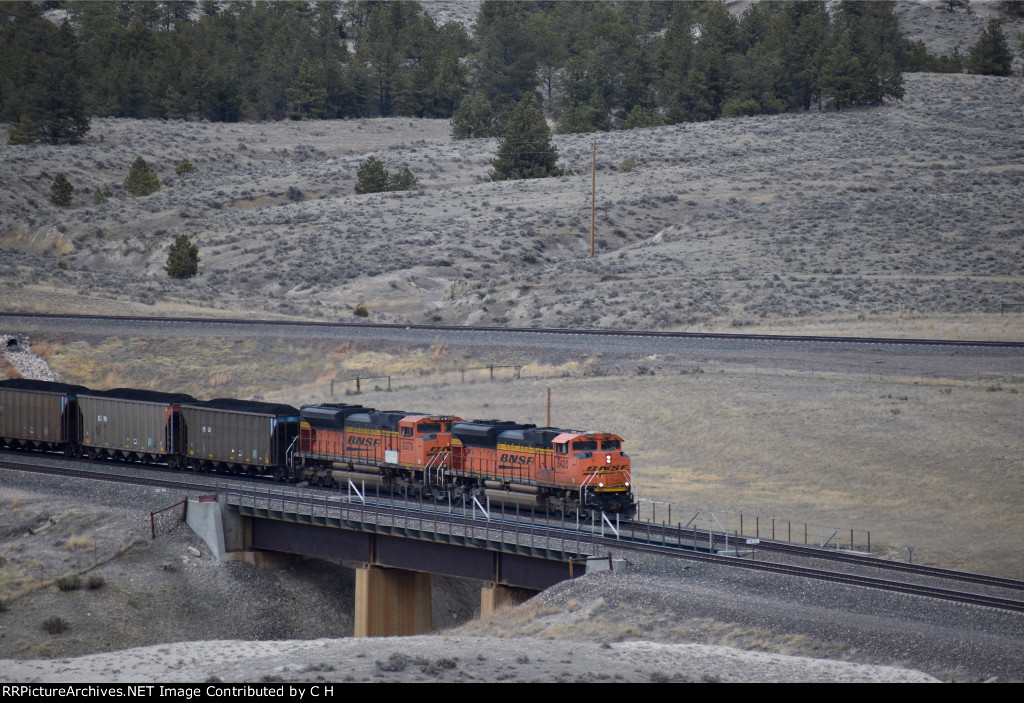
[{"x": 607, "y": 458}]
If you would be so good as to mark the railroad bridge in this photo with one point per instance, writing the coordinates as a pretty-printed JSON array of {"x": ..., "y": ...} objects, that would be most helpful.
[{"x": 395, "y": 547}]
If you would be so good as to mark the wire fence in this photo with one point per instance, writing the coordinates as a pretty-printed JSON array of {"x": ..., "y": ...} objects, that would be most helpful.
[
  {"x": 745, "y": 526},
  {"x": 909, "y": 369}
]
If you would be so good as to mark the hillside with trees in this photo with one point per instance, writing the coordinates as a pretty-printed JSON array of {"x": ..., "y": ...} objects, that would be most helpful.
[{"x": 593, "y": 66}]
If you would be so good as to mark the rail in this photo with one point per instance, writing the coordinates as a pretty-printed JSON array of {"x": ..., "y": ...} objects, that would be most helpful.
[{"x": 522, "y": 330}]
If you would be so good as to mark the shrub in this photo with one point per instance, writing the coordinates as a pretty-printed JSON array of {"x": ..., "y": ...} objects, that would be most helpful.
[
  {"x": 396, "y": 662},
  {"x": 55, "y": 625},
  {"x": 4, "y": 607},
  {"x": 141, "y": 179},
  {"x": 184, "y": 166},
  {"x": 361, "y": 311},
  {"x": 96, "y": 582},
  {"x": 403, "y": 180},
  {"x": 295, "y": 194},
  {"x": 61, "y": 190},
  {"x": 69, "y": 582},
  {"x": 372, "y": 177},
  {"x": 182, "y": 258},
  {"x": 628, "y": 165},
  {"x": 100, "y": 195}
]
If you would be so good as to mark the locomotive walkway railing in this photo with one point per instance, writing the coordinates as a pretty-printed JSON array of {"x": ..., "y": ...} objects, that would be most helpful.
[{"x": 462, "y": 524}]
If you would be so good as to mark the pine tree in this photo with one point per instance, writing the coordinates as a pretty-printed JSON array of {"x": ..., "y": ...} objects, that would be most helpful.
[
  {"x": 61, "y": 190},
  {"x": 639, "y": 117},
  {"x": 403, "y": 180},
  {"x": 182, "y": 258},
  {"x": 142, "y": 179},
  {"x": 184, "y": 166},
  {"x": 306, "y": 97},
  {"x": 525, "y": 149},
  {"x": 474, "y": 119},
  {"x": 371, "y": 177},
  {"x": 39, "y": 86},
  {"x": 991, "y": 55}
]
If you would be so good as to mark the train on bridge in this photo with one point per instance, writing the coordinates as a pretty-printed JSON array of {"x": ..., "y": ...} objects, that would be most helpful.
[{"x": 438, "y": 457}]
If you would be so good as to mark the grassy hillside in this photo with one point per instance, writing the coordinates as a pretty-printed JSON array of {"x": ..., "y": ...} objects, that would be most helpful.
[{"x": 903, "y": 210}]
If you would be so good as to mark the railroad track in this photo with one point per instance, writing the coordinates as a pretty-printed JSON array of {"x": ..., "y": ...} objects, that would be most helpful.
[
  {"x": 884, "y": 564},
  {"x": 876, "y": 341},
  {"x": 681, "y": 537},
  {"x": 861, "y": 580},
  {"x": 412, "y": 511}
]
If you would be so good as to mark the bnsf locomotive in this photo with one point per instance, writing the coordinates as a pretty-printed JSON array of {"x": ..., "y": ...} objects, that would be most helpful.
[{"x": 436, "y": 456}]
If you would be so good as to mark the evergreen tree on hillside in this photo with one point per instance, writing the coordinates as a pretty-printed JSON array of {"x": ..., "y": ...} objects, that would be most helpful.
[
  {"x": 507, "y": 57},
  {"x": 991, "y": 55},
  {"x": 182, "y": 258},
  {"x": 141, "y": 179},
  {"x": 525, "y": 149},
  {"x": 61, "y": 190},
  {"x": 954, "y": 5},
  {"x": 39, "y": 86},
  {"x": 371, "y": 177},
  {"x": 305, "y": 97},
  {"x": 474, "y": 119}
]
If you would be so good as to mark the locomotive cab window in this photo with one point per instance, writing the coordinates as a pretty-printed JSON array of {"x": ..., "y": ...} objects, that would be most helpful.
[
  {"x": 587, "y": 446},
  {"x": 610, "y": 444},
  {"x": 562, "y": 448},
  {"x": 426, "y": 427},
  {"x": 407, "y": 432}
]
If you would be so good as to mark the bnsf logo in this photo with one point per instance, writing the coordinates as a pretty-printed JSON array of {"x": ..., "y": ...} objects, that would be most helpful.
[
  {"x": 516, "y": 459},
  {"x": 364, "y": 441},
  {"x": 605, "y": 467}
]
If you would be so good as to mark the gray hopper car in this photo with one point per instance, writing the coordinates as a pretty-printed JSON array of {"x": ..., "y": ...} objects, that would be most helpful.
[
  {"x": 131, "y": 424},
  {"x": 38, "y": 415},
  {"x": 238, "y": 436}
]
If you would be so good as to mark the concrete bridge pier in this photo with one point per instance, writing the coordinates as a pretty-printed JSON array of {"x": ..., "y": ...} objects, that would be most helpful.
[{"x": 391, "y": 602}]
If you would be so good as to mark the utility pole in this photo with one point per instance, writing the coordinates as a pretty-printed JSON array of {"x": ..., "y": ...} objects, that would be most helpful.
[{"x": 593, "y": 196}]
